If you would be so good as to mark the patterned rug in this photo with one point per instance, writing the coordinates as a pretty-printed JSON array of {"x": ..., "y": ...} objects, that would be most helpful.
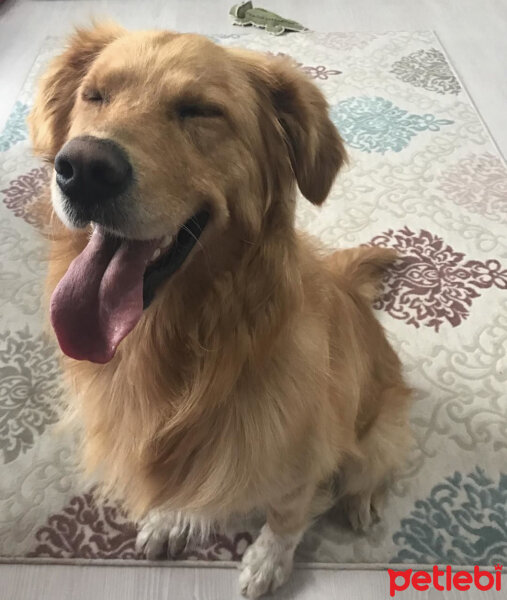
[{"x": 424, "y": 178}]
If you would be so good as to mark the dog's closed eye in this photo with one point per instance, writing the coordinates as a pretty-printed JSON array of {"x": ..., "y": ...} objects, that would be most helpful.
[
  {"x": 93, "y": 95},
  {"x": 192, "y": 111}
]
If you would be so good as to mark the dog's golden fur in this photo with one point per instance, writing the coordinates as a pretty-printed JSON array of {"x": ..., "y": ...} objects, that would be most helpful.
[{"x": 259, "y": 372}]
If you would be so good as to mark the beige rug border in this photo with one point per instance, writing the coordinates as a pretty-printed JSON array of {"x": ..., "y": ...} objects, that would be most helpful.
[
  {"x": 226, "y": 564},
  {"x": 469, "y": 97}
]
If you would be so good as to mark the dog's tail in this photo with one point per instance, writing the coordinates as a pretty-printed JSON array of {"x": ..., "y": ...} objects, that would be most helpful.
[{"x": 361, "y": 269}]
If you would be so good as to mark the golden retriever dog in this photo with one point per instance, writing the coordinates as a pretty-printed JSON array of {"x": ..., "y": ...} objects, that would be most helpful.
[{"x": 220, "y": 361}]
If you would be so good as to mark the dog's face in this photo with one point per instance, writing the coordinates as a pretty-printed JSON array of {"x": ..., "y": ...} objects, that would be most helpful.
[
  {"x": 157, "y": 137},
  {"x": 157, "y": 128}
]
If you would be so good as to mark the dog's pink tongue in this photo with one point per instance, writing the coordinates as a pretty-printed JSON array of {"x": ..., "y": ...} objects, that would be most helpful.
[{"x": 100, "y": 298}]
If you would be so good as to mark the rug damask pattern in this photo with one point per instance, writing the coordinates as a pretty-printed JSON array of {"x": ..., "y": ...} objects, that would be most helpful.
[{"x": 424, "y": 178}]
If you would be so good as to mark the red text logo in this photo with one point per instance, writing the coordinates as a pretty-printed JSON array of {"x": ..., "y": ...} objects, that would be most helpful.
[{"x": 444, "y": 580}]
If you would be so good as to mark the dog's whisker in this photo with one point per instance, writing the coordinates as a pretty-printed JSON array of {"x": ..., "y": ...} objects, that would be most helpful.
[{"x": 197, "y": 241}]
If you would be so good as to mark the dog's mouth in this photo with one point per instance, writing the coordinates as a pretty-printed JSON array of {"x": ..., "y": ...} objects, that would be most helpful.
[{"x": 101, "y": 297}]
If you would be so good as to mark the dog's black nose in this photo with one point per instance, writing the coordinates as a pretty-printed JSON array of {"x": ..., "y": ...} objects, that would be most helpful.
[{"x": 92, "y": 170}]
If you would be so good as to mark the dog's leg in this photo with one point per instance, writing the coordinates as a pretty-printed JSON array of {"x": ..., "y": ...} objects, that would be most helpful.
[
  {"x": 158, "y": 529},
  {"x": 363, "y": 483},
  {"x": 267, "y": 563}
]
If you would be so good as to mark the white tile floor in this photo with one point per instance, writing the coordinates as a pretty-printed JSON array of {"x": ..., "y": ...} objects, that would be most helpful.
[
  {"x": 474, "y": 33},
  {"x": 28, "y": 582}
]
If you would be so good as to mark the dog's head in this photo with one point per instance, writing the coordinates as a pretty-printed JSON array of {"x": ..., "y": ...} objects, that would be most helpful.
[{"x": 156, "y": 139}]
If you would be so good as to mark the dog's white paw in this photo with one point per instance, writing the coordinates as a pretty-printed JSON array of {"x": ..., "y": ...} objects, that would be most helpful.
[
  {"x": 161, "y": 535},
  {"x": 267, "y": 563}
]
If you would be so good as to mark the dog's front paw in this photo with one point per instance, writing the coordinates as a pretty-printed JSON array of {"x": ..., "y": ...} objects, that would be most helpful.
[
  {"x": 266, "y": 564},
  {"x": 161, "y": 535}
]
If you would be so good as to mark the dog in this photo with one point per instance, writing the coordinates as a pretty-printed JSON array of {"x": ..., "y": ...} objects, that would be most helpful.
[{"x": 220, "y": 362}]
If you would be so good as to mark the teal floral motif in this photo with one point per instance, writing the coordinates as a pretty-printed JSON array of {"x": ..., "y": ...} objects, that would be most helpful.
[
  {"x": 377, "y": 125},
  {"x": 15, "y": 128},
  {"x": 462, "y": 522}
]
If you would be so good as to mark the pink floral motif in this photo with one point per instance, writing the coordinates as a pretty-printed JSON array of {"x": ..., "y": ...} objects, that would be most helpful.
[
  {"x": 318, "y": 72},
  {"x": 87, "y": 529},
  {"x": 479, "y": 184},
  {"x": 220, "y": 547},
  {"x": 431, "y": 283},
  {"x": 23, "y": 194}
]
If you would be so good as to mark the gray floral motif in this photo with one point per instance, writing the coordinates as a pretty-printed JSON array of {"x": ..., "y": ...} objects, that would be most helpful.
[
  {"x": 15, "y": 128},
  {"x": 427, "y": 69},
  {"x": 29, "y": 390},
  {"x": 374, "y": 124},
  {"x": 479, "y": 184},
  {"x": 463, "y": 521}
]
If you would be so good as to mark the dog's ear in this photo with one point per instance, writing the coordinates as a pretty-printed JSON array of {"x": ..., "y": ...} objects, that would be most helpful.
[
  {"x": 49, "y": 118},
  {"x": 314, "y": 145},
  {"x": 315, "y": 148}
]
